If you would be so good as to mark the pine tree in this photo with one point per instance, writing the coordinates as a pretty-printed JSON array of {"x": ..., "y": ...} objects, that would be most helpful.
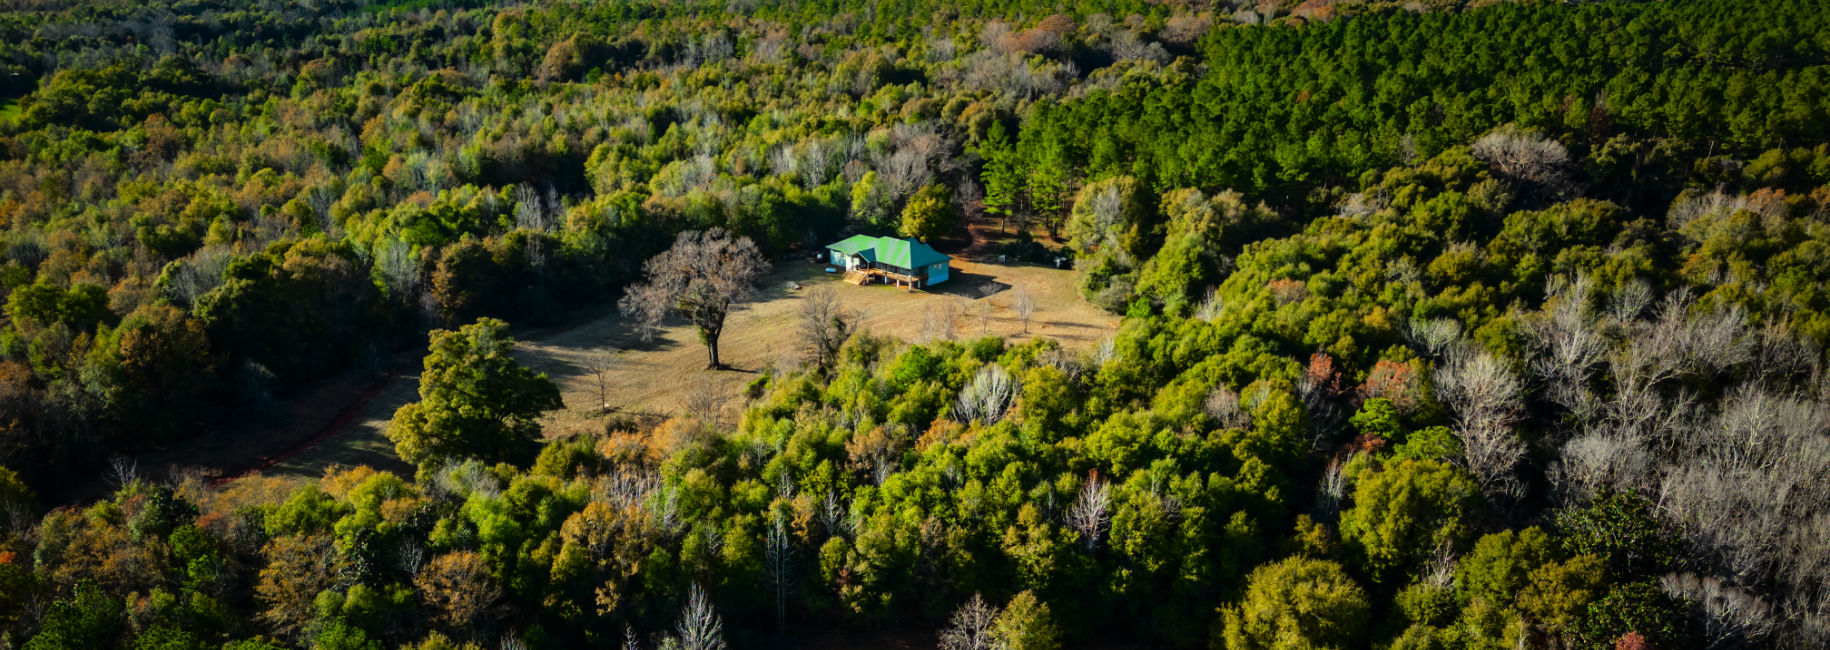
[{"x": 999, "y": 175}]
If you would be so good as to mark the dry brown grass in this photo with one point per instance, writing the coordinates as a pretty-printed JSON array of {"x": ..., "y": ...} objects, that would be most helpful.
[{"x": 666, "y": 375}]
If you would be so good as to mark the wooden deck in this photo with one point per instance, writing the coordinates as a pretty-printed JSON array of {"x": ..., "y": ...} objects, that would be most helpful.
[{"x": 863, "y": 277}]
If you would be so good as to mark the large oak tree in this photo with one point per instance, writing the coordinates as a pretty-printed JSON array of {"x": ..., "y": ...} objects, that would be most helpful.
[{"x": 702, "y": 277}]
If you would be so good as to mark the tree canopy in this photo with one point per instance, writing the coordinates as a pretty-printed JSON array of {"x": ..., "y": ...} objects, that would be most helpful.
[
  {"x": 1446, "y": 324},
  {"x": 475, "y": 400}
]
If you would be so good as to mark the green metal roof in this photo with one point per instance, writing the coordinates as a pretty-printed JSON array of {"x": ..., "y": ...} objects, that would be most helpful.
[
  {"x": 854, "y": 243},
  {"x": 906, "y": 253}
]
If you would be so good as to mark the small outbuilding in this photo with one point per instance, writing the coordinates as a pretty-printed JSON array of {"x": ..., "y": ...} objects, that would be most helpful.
[{"x": 892, "y": 260}]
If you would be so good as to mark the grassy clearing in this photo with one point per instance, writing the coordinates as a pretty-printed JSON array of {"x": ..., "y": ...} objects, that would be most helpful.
[
  {"x": 9, "y": 110},
  {"x": 658, "y": 377}
]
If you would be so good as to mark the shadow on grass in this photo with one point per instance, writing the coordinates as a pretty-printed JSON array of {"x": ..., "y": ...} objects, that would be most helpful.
[
  {"x": 970, "y": 285},
  {"x": 1068, "y": 324},
  {"x": 363, "y": 442}
]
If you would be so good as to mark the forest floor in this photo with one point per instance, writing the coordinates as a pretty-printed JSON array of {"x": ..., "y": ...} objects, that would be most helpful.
[{"x": 342, "y": 422}]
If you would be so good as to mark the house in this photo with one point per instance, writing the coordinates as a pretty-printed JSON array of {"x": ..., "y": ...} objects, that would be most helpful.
[{"x": 893, "y": 260}]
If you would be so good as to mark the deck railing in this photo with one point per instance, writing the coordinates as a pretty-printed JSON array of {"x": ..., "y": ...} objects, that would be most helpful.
[{"x": 864, "y": 275}]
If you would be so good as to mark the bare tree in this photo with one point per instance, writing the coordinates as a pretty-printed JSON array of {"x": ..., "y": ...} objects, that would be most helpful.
[
  {"x": 778, "y": 553},
  {"x": 1730, "y": 616},
  {"x": 703, "y": 277},
  {"x": 960, "y": 318},
  {"x": 124, "y": 471},
  {"x": 1106, "y": 351},
  {"x": 833, "y": 515},
  {"x": 1571, "y": 347},
  {"x": 700, "y": 627},
  {"x": 1439, "y": 571},
  {"x": 1127, "y": 46},
  {"x": 817, "y": 162},
  {"x": 536, "y": 211},
  {"x": 1091, "y": 510},
  {"x": 1630, "y": 301},
  {"x": 988, "y": 396},
  {"x": 936, "y": 323},
  {"x": 1186, "y": 29},
  {"x": 1739, "y": 478},
  {"x": 1783, "y": 357},
  {"x": 663, "y": 507},
  {"x": 1025, "y": 304},
  {"x": 1485, "y": 396},
  {"x": 705, "y": 398},
  {"x": 784, "y": 162},
  {"x": 1713, "y": 342},
  {"x": 411, "y": 555},
  {"x": 825, "y": 324},
  {"x": 1752, "y": 475},
  {"x": 1210, "y": 306},
  {"x": 925, "y": 140},
  {"x": 398, "y": 268},
  {"x": 1333, "y": 489},
  {"x": 970, "y": 197},
  {"x": 600, "y": 364},
  {"x": 1223, "y": 406},
  {"x": 1601, "y": 456},
  {"x": 1101, "y": 226},
  {"x": 1435, "y": 335},
  {"x": 904, "y": 172},
  {"x": 466, "y": 478},
  {"x": 1530, "y": 158},
  {"x": 971, "y": 626},
  {"x": 1768, "y": 206}
]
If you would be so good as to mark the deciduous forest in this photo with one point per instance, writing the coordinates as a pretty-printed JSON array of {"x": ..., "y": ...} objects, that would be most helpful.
[{"x": 1446, "y": 324}]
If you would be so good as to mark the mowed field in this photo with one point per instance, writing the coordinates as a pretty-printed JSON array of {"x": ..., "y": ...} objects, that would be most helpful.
[{"x": 665, "y": 375}]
